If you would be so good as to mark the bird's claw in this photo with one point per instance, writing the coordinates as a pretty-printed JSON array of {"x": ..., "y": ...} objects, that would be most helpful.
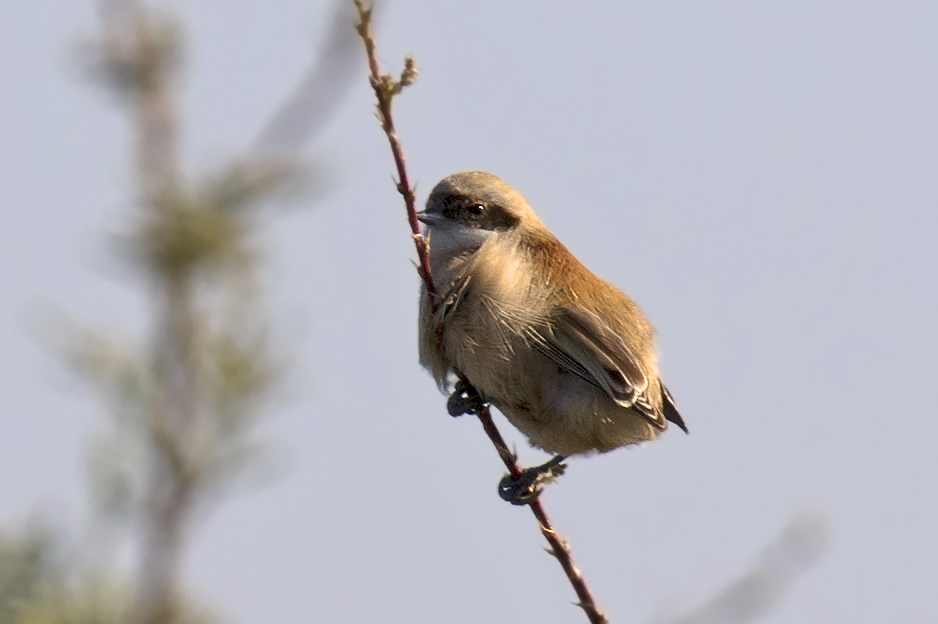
[
  {"x": 524, "y": 488},
  {"x": 465, "y": 399}
]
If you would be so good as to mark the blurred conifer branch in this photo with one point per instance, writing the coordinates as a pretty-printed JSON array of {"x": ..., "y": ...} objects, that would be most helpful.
[
  {"x": 186, "y": 400},
  {"x": 318, "y": 95},
  {"x": 206, "y": 368},
  {"x": 40, "y": 583}
]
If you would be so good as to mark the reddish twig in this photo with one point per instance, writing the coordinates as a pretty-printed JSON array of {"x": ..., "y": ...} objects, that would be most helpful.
[
  {"x": 559, "y": 548},
  {"x": 386, "y": 87}
]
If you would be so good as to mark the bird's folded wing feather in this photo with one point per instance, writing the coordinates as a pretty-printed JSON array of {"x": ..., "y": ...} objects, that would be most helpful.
[
  {"x": 582, "y": 343},
  {"x": 453, "y": 296}
]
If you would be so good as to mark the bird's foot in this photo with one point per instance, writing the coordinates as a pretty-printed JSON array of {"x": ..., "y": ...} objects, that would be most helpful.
[
  {"x": 465, "y": 399},
  {"x": 526, "y": 487}
]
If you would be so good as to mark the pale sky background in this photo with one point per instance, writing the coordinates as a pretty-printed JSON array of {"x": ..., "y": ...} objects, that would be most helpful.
[{"x": 759, "y": 176}]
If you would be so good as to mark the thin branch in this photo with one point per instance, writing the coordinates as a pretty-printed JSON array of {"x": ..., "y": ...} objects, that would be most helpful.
[
  {"x": 559, "y": 547},
  {"x": 385, "y": 88}
]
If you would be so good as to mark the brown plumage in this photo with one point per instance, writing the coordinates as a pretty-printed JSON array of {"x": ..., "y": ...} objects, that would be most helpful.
[{"x": 568, "y": 358}]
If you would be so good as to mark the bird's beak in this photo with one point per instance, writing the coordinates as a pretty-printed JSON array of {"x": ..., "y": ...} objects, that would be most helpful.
[{"x": 427, "y": 218}]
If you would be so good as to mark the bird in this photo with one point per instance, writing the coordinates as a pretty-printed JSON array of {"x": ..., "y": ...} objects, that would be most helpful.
[{"x": 568, "y": 358}]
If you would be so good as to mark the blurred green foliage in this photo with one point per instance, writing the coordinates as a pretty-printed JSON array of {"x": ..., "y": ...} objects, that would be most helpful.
[{"x": 185, "y": 398}]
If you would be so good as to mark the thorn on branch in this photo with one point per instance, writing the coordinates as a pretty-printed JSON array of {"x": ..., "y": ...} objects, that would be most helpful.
[
  {"x": 381, "y": 121},
  {"x": 592, "y": 611}
]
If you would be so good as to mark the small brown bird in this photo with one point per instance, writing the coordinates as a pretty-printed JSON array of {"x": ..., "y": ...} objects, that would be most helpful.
[{"x": 568, "y": 358}]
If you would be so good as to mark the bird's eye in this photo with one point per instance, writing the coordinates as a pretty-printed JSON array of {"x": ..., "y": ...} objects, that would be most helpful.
[{"x": 476, "y": 210}]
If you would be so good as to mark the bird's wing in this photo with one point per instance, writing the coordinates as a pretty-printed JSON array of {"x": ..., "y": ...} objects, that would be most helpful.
[
  {"x": 582, "y": 343},
  {"x": 454, "y": 296}
]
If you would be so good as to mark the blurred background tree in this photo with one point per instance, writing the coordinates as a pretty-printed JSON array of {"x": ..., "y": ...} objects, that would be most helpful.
[{"x": 184, "y": 401}]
